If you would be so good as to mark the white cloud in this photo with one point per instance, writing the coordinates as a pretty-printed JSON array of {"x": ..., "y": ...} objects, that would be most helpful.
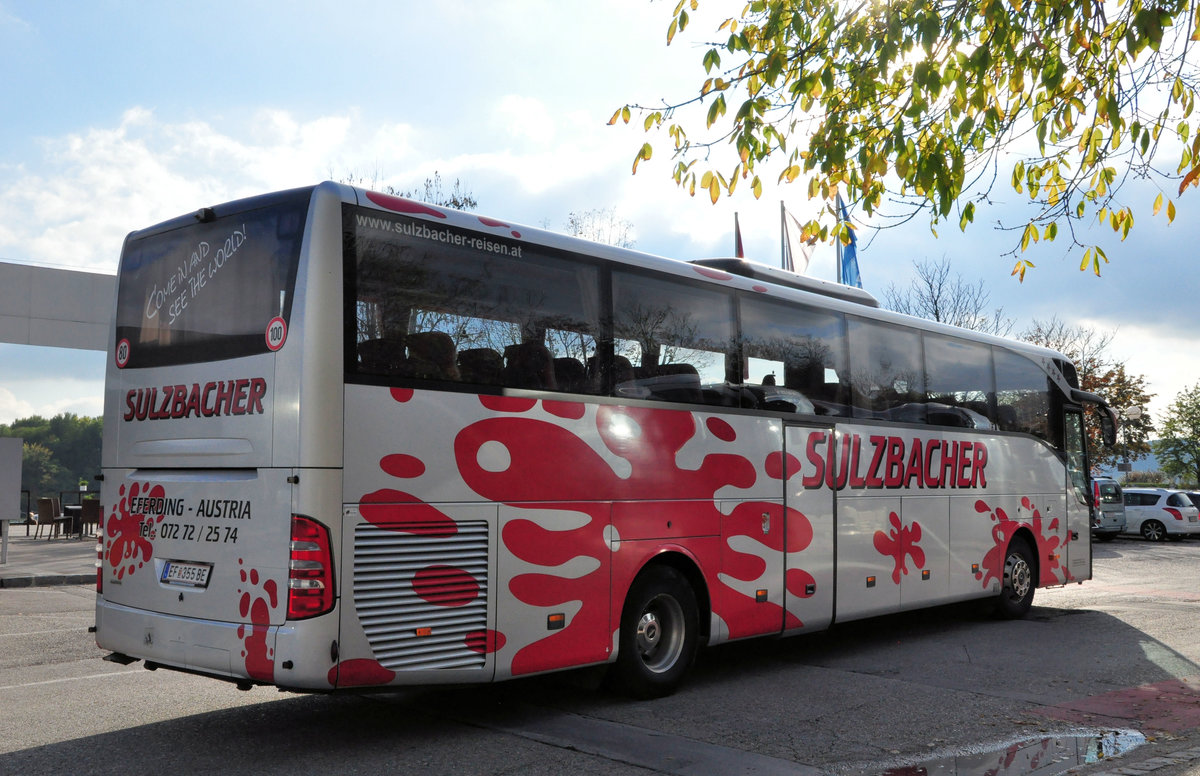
[
  {"x": 524, "y": 118},
  {"x": 1165, "y": 356},
  {"x": 12, "y": 408},
  {"x": 96, "y": 185}
]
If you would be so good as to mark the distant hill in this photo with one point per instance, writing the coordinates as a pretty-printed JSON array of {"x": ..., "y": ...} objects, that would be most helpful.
[{"x": 1146, "y": 463}]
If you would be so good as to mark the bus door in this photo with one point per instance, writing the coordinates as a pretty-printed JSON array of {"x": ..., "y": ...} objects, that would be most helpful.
[
  {"x": 809, "y": 555},
  {"x": 1079, "y": 524}
]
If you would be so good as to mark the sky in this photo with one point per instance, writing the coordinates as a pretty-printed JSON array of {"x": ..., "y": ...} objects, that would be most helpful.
[{"x": 115, "y": 115}]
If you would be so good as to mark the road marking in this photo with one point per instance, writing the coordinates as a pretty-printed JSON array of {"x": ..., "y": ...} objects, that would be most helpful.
[
  {"x": 41, "y": 632},
  {"x": 68, "y": 679}
]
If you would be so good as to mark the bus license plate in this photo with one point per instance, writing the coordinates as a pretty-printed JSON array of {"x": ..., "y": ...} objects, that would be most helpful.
[{"x": 186, "y": 574}]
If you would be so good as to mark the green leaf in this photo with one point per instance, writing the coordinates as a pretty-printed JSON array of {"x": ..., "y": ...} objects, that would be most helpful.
[{"x": 968, "y": 216}]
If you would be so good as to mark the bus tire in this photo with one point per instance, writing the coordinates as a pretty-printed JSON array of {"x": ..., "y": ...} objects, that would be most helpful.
[
  {"x": 659, "y": 635},
  {"x": 1154, "y": 531},
  {"x": 1020, "y": 580}
]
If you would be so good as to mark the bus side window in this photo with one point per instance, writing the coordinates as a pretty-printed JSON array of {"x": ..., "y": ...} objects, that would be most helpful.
[
  {"x": 677, "y": 337},
  {"x": 887, "y": 372},
  {"x": 1023, "y": 397},
  {"x": 795, "y": 358},
  {"x": 960, "y": 389}
]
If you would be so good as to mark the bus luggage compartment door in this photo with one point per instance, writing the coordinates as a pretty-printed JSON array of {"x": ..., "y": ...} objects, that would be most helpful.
[
  {"x": 810, "y": 531},
  {"x": 419, "y": 588}
]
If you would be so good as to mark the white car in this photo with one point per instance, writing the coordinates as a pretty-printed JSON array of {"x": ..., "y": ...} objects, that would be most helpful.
[{"x": 1157, "y": 513}]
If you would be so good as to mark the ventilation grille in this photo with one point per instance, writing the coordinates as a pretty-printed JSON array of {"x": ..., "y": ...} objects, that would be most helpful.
[{"x": 421, "y": 595}]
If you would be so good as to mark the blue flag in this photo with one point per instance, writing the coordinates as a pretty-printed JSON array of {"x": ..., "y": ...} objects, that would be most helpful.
[{"x": 848, "y": 253}]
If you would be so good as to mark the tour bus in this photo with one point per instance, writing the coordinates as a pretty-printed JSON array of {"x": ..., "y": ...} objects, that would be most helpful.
[{"x": 357, "y": 441}]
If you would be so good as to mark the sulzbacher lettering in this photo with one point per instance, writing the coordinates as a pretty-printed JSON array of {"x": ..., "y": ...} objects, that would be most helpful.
[
  {"x": 890, "y": 462},
  {"x": 243, "y": 396}
]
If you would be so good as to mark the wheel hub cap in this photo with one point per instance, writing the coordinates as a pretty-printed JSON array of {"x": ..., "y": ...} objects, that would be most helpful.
[
  {"x": 1020, "y": 576},
  {"x": 648, "y": 632}
]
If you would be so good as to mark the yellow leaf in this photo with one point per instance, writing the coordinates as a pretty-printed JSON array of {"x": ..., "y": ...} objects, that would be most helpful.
[
  {"x": 714, "y": 190},
  {"x": 1019, "y": 269},
  {"x": 1170, "y": 211},
  {"x": 1158, "y": 203},
  {"x": 644, "y": 153}
]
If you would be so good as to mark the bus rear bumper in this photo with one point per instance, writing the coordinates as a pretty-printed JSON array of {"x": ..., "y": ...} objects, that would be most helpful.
[{"x": 244, "y": 654}]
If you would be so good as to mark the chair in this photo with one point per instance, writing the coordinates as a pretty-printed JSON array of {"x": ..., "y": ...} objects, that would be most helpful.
[
  {"x": 482, "y": 366},
  {"x": 570, "y": 375},
  {"x": 381, "y": 356},
  {"x": 431, "y": 355},
  {"x": 49, "y": 518},
  {"x": 91, "y": 515},
  {"x": 529, "y": 365}
]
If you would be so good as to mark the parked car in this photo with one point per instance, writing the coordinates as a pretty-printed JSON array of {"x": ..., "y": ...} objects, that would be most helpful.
[
  {"x": 1108, "y": 509},
  {"x": 1158, "y": 513}
]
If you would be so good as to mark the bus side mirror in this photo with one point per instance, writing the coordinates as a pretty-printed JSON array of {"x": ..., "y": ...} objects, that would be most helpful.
[{"x": 1108, "y": 426}]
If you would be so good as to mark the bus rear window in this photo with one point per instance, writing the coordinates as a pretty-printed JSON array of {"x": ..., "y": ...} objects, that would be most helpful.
[{"x": 206, "y": 291}]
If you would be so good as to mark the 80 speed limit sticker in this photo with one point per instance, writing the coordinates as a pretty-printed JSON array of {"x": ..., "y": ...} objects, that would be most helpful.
[{"x": 122, "y": 353}]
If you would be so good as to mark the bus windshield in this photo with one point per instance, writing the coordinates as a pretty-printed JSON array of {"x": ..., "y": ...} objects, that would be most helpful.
[{"x": 207, "y": 290}]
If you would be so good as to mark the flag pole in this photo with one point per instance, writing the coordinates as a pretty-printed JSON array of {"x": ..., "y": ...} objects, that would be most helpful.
[
  {"x": 783, "y": 249},
  {"x": 838, "y": 277}
]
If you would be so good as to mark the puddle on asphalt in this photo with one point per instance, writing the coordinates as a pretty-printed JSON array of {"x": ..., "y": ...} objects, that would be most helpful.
[{"x": 1029, "y": 757}]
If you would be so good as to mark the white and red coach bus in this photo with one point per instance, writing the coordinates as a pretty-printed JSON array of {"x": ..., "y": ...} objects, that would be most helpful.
[{"x": 353, "y": 440}]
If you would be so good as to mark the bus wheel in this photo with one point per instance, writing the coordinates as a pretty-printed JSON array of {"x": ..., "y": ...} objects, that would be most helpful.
[
  {"x": 659, "y": 634},
  {"x": 1016, "y": 594},
  {"x": 1153, "y": 531}
]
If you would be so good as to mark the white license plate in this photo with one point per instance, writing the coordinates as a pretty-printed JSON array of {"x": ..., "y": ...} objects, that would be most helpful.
[{"x": 187, "y": 574}]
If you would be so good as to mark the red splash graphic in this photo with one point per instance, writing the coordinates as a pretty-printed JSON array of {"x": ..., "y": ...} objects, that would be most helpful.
[
  {"x": 402, "y": 394},
  {"x": 498, "y": 225},
  {"x": 485, "y": 641},
  {"x": 129, "y": 535},
  {"x": 901, "y": 542},
  {"x": 395, "y": 510},
  {"x": 360, "y": 672},
  {"x": 256, "y": 603},
  {"x": 401, "y": 205},
  {"x": 780, "y": 466},
  {"x": 715, "y": 274},
  {"x": 1048, "y": 550},
  {"x": 720, "y": 429},
  {"x": 445, "y": 586},
  {"x": 507, "y": 403},
  {"x": 759, "y": 289},
  {"x": 553, "y": 468},
  {"x": 571, "y": 410},
  {"x": 403, "y": 466}
]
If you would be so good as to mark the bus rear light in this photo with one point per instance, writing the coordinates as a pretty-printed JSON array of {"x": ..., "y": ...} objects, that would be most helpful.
[{"x": 310, "y": 570}]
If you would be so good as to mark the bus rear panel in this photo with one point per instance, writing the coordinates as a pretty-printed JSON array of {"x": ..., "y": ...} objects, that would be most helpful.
[{"x": 221, "y": 500}]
